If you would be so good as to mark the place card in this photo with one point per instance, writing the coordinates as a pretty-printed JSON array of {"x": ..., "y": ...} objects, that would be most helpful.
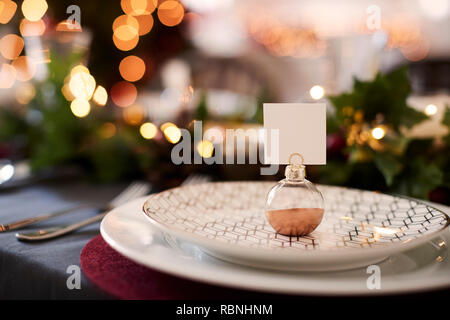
[{"x": 301, "y": 129}]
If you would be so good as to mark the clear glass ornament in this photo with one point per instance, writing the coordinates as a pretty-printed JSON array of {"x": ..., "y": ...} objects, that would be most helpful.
[{"x": 294, "y": 206}]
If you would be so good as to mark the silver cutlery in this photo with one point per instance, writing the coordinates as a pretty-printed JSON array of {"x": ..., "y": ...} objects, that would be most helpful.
[
  {"x": 128, "y": 194},
  {"x": 29, "y": 221},
  {"x": 133, "y": 191}
]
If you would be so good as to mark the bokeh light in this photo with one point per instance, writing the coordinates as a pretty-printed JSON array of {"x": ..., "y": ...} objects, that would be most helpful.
[
  {"x": 65, "y": 26},
  {"x": 148, "y": 130},
  {"x": 108, "y": 130},
  {"x": 138, "y": 7},
  {"x": 125, "y": 45},
  {"x": 126, "y": 32},
  {"x": 145, "y": 23},
  {"x": 165, "y": 125},
  {"x": 100, "y": 96},
  {"x": 133, "y": 114},
  {"x": 125, "y": 20},
  {"x": 79, "y": 68},
  {"x": 172, "y": 134},
  {"x": 80, "y": 107},
  {"x": 11, "y": 46},
  {"x": 34, "y": 10},
  {"x": 132, "y": 68},
  {"x": 25, "y": 92},
  {"x": 7, "y": 10},
  {"x": 205, "y": 148},
  {"x": 170, "y": 13},
  {"x": 25, "y": 68},
  {"x": 431, "y": 109},
  {"x": 6, "y": 172},
  {"x": 416, "y": 52},
  {"x": 317, "y": 92},
  {"x": 7, "y": 76},
  {"x": 378, "y": 133},
  {"x": 123, "y": 93},
  {"x": 67, "y": 93},
  {"x": 82, "y": 85},
  {"x": 32, "y": 28}
]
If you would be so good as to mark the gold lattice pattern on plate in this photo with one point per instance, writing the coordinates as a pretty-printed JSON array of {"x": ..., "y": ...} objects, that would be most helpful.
[{"x": 233, "y": 212}]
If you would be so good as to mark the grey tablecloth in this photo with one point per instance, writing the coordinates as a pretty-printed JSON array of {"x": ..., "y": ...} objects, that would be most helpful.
[{"x": 39, "y": 270}]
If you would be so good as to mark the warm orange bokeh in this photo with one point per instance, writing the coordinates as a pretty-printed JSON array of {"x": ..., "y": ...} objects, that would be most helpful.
[
  {"x": 123, "y": 93},
  {"x": 7, "y": 11},
  {"x": 108, "y": 130},
  {"x": 7, "y": 76},
  {"x": 25, "y": 92},
  {"x": 11, "y": 46},
  {"x": 145, "y": 23},
  {"x": 138, "y": 7},
  {"x": 132, "y": 68},
  {"x": 65, "y": 26},
  {"x": 25, "y": 68},
  {"x": 125, "y": 45},
  {"x": 124, "y": 20},
  {"x": 32, "y": 28},
  {"x": 170, "y": 13},
  {"x": 126, "y": 32},
  {"x": 133, "y": 114}
]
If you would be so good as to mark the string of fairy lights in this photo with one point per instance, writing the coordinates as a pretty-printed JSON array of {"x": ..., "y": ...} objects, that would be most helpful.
[
  {"x": 137, "y": 21},
  {"x": 81, "y": 89}
]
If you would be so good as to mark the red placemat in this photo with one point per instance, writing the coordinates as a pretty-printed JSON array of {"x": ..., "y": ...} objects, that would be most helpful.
[{"x": 125, "y": 279}]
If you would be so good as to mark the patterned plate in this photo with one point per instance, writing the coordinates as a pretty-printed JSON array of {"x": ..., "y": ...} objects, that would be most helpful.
[{"x": 227, "y": 220}]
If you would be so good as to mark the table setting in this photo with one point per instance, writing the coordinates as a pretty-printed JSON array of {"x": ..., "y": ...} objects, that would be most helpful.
[{"x": 224, "y": 150}]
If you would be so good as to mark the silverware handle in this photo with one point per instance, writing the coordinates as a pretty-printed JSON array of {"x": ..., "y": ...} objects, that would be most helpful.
[
  {"x": 56, "y": 232},
  {"x": 26, "y": 222}
]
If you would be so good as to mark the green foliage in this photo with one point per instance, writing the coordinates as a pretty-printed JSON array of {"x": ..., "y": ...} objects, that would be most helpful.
[
  {"x": 384, "y": 96},
  {"x": 388, "y": 165},
  {"x": 408, "y": 166},
  {"x": 53, "y": 136},
  {"x": 201, "y": 112}
]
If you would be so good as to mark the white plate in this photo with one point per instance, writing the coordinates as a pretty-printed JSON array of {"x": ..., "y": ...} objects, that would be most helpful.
[
  {"x": 227, "y": 219},
  {"x": 127, "y": 230}
]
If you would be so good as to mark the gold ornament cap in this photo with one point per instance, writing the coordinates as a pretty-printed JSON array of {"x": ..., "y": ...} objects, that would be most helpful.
[{"x": 295, "y": 171}]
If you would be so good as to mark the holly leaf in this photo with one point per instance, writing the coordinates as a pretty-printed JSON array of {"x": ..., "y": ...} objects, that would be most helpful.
[
  {"x": 388, "y": 165},
  {"x": 410, "y": 117}
]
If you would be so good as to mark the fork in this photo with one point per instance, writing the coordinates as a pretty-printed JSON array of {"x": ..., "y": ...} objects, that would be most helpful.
[{"x": 133, "y": 191}]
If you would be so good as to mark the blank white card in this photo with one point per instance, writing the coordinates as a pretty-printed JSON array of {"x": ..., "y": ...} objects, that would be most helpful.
[{"x": 301, "y": 129}]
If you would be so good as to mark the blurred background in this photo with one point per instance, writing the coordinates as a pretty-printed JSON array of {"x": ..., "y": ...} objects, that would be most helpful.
[{"x": 100, "y": 90}]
